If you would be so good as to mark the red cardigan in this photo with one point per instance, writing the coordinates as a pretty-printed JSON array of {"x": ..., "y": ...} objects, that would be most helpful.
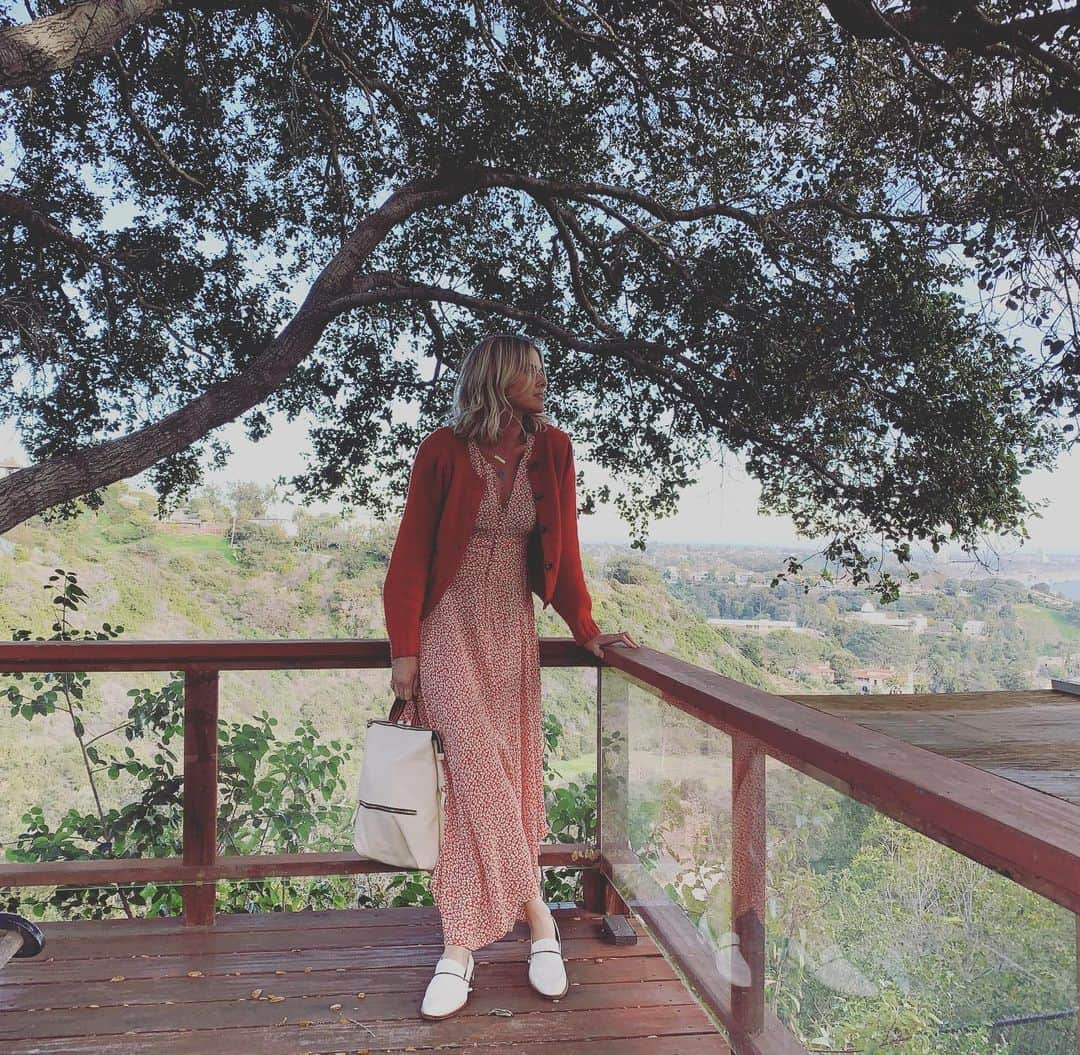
[{"x": 440, "y": 510}]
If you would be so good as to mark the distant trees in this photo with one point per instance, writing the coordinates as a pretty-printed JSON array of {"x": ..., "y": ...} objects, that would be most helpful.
[
  {"x": 631, "y": 571},
  {"x": 208, "y": 503},
  {"x": 248, "y": 500}
]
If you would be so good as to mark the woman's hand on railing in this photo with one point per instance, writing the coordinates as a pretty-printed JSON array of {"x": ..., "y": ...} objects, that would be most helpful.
[
  {"x": 595, "y": 646},
  {"x": 403, "y": 676}
]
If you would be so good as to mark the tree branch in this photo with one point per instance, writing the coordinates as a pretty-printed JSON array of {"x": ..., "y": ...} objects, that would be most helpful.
[
  {"x": 35, "y": 51},
  {"x": 653, "y": 364},
  {"x": 66, "y": 476}
]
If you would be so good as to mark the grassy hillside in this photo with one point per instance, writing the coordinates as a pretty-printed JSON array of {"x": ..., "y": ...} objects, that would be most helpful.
[{"x": 160, "y": 586}]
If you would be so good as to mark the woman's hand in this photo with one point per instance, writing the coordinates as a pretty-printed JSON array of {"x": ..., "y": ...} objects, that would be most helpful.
[
  {"x": 595, "y": 645},
  {"x": 403, "y": 676}
]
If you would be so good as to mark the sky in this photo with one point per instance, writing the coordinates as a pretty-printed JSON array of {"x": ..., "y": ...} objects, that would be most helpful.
[{"x": 721, "y": 508}]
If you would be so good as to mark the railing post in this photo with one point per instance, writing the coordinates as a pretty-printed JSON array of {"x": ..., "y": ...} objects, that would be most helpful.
[
  {"x": 200, "y": 789},
  {"x": 748, "y": 877}
]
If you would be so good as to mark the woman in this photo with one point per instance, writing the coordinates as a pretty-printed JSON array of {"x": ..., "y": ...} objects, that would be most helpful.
[{"x": 490, "y": 518}]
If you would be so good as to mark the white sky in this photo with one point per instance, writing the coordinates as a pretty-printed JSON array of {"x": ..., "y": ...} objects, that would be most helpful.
[{"x": 720, "y": 508}]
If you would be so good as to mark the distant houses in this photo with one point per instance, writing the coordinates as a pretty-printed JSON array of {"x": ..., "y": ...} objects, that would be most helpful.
[
  {"x": 760, "y": 626},
  {"x": 181, "y": 522},
  {"x": 882, "y": 679},
  {"x": 764, "y": 625},
  {"x": 817, "y": 671},
  {"x": 870, "y": 615}
]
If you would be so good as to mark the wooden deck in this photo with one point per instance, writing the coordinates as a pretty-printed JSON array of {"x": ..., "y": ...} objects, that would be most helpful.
[
  {"x": 339, "y": 981},
  {"x": 1031, "y": 736}
]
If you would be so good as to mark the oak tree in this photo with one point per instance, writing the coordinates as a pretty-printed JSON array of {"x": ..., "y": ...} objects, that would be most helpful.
[{"x": 803, "y": 234}]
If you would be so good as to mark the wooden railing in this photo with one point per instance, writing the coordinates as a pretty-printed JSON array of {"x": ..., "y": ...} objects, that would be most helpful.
[
  {"x": 200, "y": 866},
  {"x": 1032, "y": 838}
]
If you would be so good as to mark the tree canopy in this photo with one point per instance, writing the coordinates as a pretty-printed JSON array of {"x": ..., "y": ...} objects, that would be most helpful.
[{"x": 748, "y": 228}]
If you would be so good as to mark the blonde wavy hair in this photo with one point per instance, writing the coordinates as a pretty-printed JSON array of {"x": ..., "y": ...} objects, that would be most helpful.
[{"x": 490, "y": 366}]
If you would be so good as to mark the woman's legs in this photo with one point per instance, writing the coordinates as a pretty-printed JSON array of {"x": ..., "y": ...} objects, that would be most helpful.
[
  {"x": 541, "y": 925},
  {"x": 459, "y": 953}
]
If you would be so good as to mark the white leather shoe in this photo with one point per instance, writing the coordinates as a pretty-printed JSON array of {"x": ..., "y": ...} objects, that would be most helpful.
[
  {"x": 547, "y": 972},
  {"x": 449, "y": 989}
]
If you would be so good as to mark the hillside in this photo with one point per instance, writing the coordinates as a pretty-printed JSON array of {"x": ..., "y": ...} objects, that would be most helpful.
[{"x": 162, "y": 586}]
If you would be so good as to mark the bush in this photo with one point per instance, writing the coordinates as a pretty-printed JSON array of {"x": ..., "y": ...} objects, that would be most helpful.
[
  {"x": 137, "y": 526},
  {"x": 631, "y": 572},
  {"x": 263, "y": 546}
]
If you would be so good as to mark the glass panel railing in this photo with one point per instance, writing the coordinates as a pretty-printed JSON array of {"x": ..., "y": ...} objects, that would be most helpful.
[
  {"x": 875, "y": 932},
  {"x": 665, "y": 829},
  {"x": 872, "y": 936}
]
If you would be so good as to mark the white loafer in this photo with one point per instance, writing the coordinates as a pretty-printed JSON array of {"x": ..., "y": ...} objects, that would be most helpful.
[
  {"x": 449, "y": 989},
  {"x": 547, "y": 972}
]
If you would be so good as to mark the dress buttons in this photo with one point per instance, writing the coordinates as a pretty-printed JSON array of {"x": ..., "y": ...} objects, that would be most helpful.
[
  {"x": 547, "y": 565},
  {"x": 537, "y": 496},
  {"x": 543, "y": 528},
  {"x": 534, "y": 465}
]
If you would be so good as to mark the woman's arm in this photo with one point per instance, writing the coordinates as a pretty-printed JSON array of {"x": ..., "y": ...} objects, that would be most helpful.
[
  {"x": 407, "y": 575},
  {"x": 571, "y": 597}
]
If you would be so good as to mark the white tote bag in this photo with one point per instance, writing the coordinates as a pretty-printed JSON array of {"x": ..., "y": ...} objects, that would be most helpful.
[{"x": 399, "y": 815}]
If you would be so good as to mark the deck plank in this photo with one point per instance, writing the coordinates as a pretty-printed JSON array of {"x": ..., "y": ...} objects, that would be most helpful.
[
  {"x": 91, "y": 990},
  {"x": 224, "y": 938},
  {"x": 550, "y": 1027},
  {"x": 370, "y": 980},
  {"x": 1030, "y": 736},
  {"x": 263, "y": 961}
]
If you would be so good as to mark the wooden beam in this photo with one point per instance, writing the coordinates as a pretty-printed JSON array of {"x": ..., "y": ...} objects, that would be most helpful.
[
  {"x": 200, "y": 789},
  {"x": 287, "y": 654},
  {"x": 126, "y": 870},
  {"x": 748, "y": 878}
]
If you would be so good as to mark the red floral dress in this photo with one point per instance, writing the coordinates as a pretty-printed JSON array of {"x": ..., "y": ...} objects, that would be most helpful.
[{"x": 479, "y": 686}]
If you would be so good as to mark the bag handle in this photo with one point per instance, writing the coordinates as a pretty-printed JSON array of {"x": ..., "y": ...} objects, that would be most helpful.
[{"x": 397, "y": 709}]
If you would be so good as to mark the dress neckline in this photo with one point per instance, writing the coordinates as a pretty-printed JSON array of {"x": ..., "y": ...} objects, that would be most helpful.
[{"x": 503, "y": 506}]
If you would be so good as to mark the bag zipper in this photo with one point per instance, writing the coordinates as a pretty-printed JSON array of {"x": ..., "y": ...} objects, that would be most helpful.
[
  {"x": 388, "y": 809},
  {"x": 437, "y": 736}
]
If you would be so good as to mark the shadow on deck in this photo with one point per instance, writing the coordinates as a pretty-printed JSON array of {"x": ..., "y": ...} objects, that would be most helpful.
[{"x": 338, "y": 981}]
